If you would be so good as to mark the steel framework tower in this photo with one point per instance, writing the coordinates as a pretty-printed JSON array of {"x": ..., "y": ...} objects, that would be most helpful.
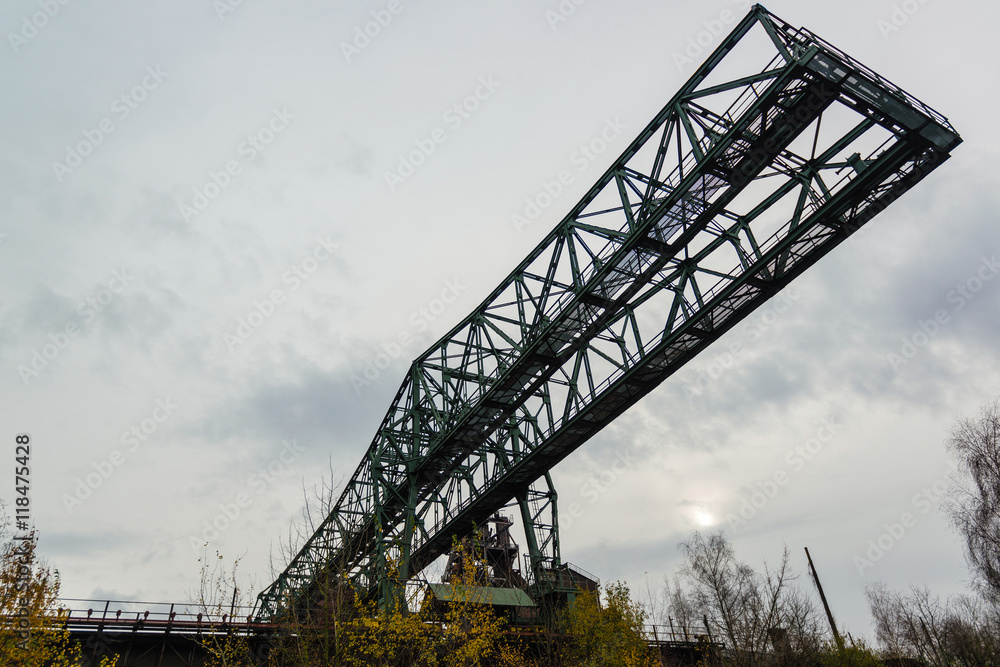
[{"x": 776, "y": 150}]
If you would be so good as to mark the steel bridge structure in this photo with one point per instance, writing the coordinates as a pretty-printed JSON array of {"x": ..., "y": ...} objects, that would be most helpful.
[{"x": 775, "y": 151}]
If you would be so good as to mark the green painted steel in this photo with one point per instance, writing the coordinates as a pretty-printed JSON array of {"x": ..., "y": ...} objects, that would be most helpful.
[
  {"x": 776, "y": 150},
  {"x": 491, "y": 595}
]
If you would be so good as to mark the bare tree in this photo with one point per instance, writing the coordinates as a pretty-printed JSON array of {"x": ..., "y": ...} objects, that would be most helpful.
[
  {"x": 313, "y": 627},
  {"x": 755, "y": 614},
  {"x": 904, "y": 624},
  {"x": 962, "y": 631},
  {"x": 974, "y": 501},
  {"x": 683, "y": 611},
  {"x": 317, "y": 504}
]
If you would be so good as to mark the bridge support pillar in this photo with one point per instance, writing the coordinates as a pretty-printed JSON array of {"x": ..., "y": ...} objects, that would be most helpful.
[{"x": 540, "y": 516}]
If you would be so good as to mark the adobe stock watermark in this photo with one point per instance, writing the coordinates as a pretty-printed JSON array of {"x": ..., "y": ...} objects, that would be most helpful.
[
  {"x": 596, "y": 486},
  {"x": 88, "y": 310},
  {"x": 958, "y": 298},
  {"x": 760, "y": 322},
  {"x": 922, "y": 502},
  {"x": 224, "y": 7},
  {"x": 699, "y": 44},
  {"x": 454, "y": 116},
  {"x": 121, "y": 108},
  {"x": 229, "y": 512},
  {"x": 32, "y": 24},
  {"x": 581, "y": 158},
  {"x": 562, "y": 13},
  {"x": 131, "y": 440},
  {"x": 364, "y": 34},
  {"x": 252, "y": 146},
  {"x": 420, "y": 320},
  {"x": 924, "y": 167},
  {"x": 796, "y": 459},
  {"x": 296, "y": 275},
  {"x": 899, "y": 16}
]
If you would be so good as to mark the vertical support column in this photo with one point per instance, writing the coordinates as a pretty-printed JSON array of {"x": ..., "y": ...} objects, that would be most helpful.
[
  {"x": 534, "y": 555},
  {"x": 397, "y": 587},
  {"x": 541, "y": 531},
  {"x": 383, "y": 557}
]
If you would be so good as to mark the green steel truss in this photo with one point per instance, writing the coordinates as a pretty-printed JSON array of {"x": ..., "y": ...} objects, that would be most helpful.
[{"x": 773, "y": 153}]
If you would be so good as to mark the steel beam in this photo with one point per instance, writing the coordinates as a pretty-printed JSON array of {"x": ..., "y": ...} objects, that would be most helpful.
[{"x": 739, "y": 184}]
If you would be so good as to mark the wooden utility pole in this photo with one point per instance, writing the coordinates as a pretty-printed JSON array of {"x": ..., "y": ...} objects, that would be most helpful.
[{"x": 819, "y": 587}]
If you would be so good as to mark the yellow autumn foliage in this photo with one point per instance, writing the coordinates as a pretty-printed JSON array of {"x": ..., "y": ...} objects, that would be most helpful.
[{"x": 30, "y": 619}]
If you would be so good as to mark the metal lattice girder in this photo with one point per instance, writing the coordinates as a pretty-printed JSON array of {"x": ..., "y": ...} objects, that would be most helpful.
[
  {"x": 739, "y": 184},
  {"x": 541, "y": 525}
]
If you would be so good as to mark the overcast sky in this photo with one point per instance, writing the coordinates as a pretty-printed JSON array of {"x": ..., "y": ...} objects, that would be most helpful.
[{"x": 200, "y": 248}]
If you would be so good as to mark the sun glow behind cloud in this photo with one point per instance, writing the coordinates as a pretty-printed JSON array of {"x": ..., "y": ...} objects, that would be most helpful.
[{"x": 703, "y": 518}]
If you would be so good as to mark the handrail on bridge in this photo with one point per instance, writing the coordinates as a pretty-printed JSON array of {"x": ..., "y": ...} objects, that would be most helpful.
[{"x": 139, "y": 617}]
